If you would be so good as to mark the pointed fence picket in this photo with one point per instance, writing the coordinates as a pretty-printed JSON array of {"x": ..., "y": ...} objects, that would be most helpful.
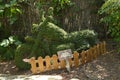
[{"x": 49, "y": 63}]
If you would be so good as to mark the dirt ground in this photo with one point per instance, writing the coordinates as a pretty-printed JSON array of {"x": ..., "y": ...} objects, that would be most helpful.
[{"x": 105, "y": 67}]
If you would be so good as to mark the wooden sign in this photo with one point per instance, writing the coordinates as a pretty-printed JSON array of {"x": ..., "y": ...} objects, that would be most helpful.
[{"x": 65, "y": 54}]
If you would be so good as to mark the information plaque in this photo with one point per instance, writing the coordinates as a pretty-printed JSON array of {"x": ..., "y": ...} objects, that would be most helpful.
[{"x": 65, "y": 54}]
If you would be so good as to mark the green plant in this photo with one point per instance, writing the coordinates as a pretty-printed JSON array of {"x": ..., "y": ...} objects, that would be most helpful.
[
  {"x": 9, "y": 11},
  {"x": 22, "y": 52},
  {"x": 7, "y": 47},
  {"x": 82, "y": 39},
  {"x": 48, "y": 32},
  {"x": 60, "y": 5},
  {"x": 111, "y": 10}
]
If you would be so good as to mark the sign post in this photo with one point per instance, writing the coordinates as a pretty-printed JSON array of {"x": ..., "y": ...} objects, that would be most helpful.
[{"x": 65, "y": 55}]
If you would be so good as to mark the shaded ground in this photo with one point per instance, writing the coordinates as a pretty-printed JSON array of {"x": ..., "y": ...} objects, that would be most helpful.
[{"x": 105, "y": 67}]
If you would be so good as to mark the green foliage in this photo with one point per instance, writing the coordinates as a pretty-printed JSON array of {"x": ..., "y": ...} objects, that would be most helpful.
[
  {"x": 111, "y": 9},
  {"x": 60, "y": 5},
  {"x": 9, "y": 11},
  {"x": 7, "y": 47},
  {"x": 29, "y": 39},
  {"x": 56, "y": 35},
  {"x": 48, "y": 32},
  {"x": 83, "y": 39},
  {"x": 22, "y": 52},
  {"x": 11, "y": 40}
]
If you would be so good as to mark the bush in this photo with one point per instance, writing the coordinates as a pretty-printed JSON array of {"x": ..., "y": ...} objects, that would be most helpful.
[
  {"x": 29, "y": 39},
  {"x": 83, "y": 39},
  {"x": 7, "y": 47},
  {"x": 22, "y": 52},
  {"x": 47, "y": 32},
  {"x": 2, "y": 52},
  {"x": 90, "y": 36},
  {"x": 52, "y": 32},
  {"x": 111, "y": 10}
]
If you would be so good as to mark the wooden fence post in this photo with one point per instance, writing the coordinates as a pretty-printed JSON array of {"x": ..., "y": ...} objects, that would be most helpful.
[
  {"x": 55, "y": 61},
  {"x": 91, "y": 53},
  {"x": 62, "y": 63},
  {"x": 41, "y": 65},
  {"x": 83, "y": 56},
  {"x": 88, "y": 56},
  {"x": 104, "y": 45},
  {"x": 33, "y": 65},
  {"x": 98, "y": 49},
  {"x": 48, "y": 62},
  {"x": 70, "y": 61},
  {"x": 76, "y": 58},
  {"x": 101, "y": 48},
  {"x": 94, "y": 52}
]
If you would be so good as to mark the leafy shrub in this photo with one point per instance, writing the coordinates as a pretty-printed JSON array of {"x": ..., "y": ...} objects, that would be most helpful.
[
  {"x": 29, "y": 39},
  {"x": 111, "y": 10},
  {"x": 22, "y": 52},
  {"x": 83, "y": 39},
  {"x": 2, "y": 51},
  {"x": 47, "y": 32},
  {"x": 90, "y": 36},
  {"x": 9, "y": 11},
  {"x": 60, "y": 5},
  {"x": 7, "y": 47}
]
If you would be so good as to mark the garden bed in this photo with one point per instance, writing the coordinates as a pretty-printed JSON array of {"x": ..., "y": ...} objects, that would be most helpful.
[{"x": 105, "y": 67}]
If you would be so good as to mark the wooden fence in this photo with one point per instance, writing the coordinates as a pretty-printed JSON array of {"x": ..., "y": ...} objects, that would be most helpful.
[{"x": 50, "y": 63}]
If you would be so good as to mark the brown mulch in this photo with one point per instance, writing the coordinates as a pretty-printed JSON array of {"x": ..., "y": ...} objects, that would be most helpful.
[{"x": 105, "y": 67}]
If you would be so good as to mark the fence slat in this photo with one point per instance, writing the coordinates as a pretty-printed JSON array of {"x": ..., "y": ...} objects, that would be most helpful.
[
  {"x": 83, "y": 56},
  {"x": 94, "y": 53},
  {"x": 70, "y": 61},
  {"x": 48, "y": 64},
  {"x": 33, "y": 65},
  {"x": 104, "y": 45},
  {"x": 88, "y": 56},
  {"x": 62, "y": 63},
  {"x": 41, "y": 65},
  {"x": 101, "y": 50},
  {"x": 98, "y": 49},
  {"x": 76, "y": 58},
  {"x": 55, "y": 61}
]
